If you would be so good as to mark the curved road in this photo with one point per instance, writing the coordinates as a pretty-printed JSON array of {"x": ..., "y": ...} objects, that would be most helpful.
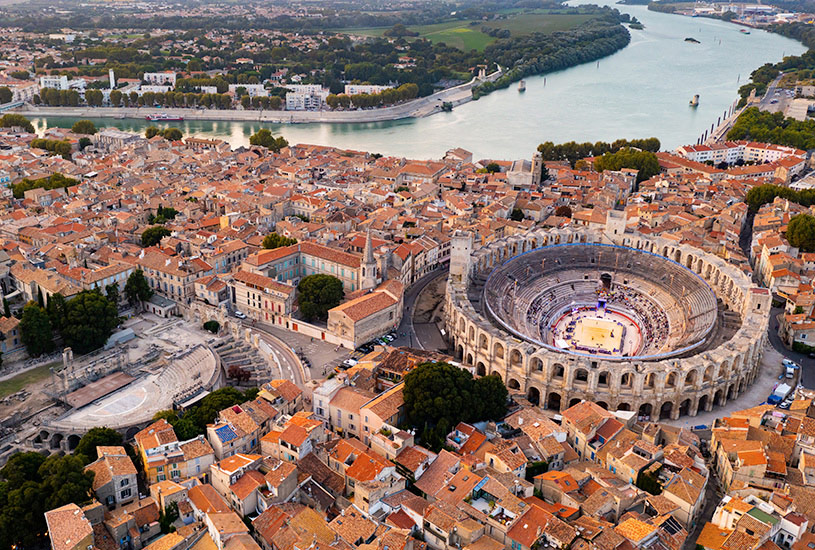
[{"x": 425, "y": 335}]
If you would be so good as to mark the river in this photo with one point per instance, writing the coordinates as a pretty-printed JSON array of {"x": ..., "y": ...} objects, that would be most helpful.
[{"x": 641, "y": 91}]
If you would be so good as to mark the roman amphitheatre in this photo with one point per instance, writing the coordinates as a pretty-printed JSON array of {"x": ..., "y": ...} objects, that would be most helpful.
[{"x": 629, "y": 322}]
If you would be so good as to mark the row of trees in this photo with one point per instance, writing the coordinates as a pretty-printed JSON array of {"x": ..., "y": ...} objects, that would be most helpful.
[
  {"x": 58, "y": 98},
  {"x": 760, "y": 195},
  {"x": 273, "y": 103},
  {"x": 757, "y": 125},
  {"x": 390, "y": 96},
  {"x": 438, "y": 396},
  {"x": 645, "y": 162},
  {"x": 572, "y": 151}
]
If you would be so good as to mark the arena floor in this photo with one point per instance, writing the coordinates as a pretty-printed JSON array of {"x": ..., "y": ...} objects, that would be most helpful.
[{"x": 592, "y": 330}]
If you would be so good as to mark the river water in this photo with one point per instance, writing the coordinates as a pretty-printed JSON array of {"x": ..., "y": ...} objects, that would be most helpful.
[{"x": 641, "y": 91}]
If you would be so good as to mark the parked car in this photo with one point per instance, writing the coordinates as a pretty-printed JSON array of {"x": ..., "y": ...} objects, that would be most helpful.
[
  {"x": 240, "y": 315},
  {"x": 350, "y": 362}
]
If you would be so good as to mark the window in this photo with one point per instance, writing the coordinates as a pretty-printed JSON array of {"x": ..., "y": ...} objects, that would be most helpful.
[
  {"x": 125, "y": 493},
  {"x": 124, "y": 483}
]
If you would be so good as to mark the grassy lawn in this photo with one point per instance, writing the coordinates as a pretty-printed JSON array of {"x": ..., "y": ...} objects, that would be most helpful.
[
  {"x": 458, "y": 34},
  {"x": 466, "y": 37},
  {"x": 528, "y": 23},
  {"x": 16, "y": 383}
]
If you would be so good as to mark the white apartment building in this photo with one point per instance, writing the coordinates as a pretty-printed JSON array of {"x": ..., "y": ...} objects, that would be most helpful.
[
  {"x": 254, "y": 90},
  {"x": 305, "y": 97},
  {"x": 733, "y": 151},
  {"x": 164, "y": 78},
  {"x": 354, "y": 89},
  {"x": 53, "y": 81}
]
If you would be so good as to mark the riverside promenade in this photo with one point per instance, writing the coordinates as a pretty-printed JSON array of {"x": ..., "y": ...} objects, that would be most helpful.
[{"x": 416, "y": 108}]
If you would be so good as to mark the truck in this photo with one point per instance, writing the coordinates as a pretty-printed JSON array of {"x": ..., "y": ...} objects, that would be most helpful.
[{"x": 780, "y": 393}]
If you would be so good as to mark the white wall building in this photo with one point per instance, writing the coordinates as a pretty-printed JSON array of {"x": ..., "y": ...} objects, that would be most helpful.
[
  {"x": 305, "y": 97},
  {"x": 165, "y": 78},
  {"x": 254, "y": 90},
  {"x": 354, "y": 89},
  {"x": 53, "y": 81}
]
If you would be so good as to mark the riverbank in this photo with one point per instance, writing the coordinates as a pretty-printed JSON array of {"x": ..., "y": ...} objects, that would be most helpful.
[
  {"x": 415, "y": 108},
  {"x": 588, "y": 102}
]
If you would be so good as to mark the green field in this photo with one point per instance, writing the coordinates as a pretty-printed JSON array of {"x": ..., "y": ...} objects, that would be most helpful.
[
  {"x": 465, "y": 37},
  {"x": 16, "y": 383},
  {"x": 540, "y": 22}
]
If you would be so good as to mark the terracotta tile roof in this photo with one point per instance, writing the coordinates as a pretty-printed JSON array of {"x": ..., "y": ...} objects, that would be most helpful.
[
  {"x": 635, "y": 530},
  {"x": 247, "y": 483},
  {"x": 353, "y": 526},
  {"x": 206, "y": 499},
  {"x": 67, "y": 526}
]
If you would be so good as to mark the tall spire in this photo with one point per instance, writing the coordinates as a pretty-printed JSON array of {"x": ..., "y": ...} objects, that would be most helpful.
[
  {"x": 368, "y": 253},
  {"x": 368, "y": 264}
]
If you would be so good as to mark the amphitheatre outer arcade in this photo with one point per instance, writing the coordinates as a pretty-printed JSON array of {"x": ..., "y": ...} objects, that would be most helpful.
[{"x": 721, "y": 363}]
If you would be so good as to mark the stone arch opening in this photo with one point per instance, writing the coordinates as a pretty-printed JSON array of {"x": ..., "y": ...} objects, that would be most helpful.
[
  {"x": 718, "y": 398},
  {"x": 626, "y": 380},
  {"x": 665, "y": 410},
  {"x": 581, "y": 376},
  {"x": 516, "y": 360},
  {"x": 649, "y": 380},
  {"x": 702, "y": 406},
  {"x": 481, "y": 370},
  {"x": 533, "y": 395},
  {"x": 670, "y": 382},
  {"x": 603, "y": 379},
  {"x": 513, "y": 384},
  {"x": 471, "y": 337},
  {"x": 482, "y": 342},
  {"x": 684, "y": 407},
  {"x": 623, "y": 407},
  {"x": 73, "y": 441},
  {"x": 690, "y": 379},
  {"x": 731, "y": 392},
  {"x": 131, "y": 433},
  {"x": 558, "y": 371},
  {"x": 469, "y": 359},
  {"x": 44, "y": 435},
  {"x": 678, "y": 256},
  {"x": 55, "y": 442},
  {"x": 537, "y": 364},
  {"x": 602, "y": 404},
  {"x": 575, "y": 401},
  {"x": 553, "y": 401},
  {"x": 498, "y": 350},
  {"x": 645, "y": 410},
  {"x": 460, "y": 352},
  {"x": 498, "y": 374},
  {"x": 709, "y": 371}
]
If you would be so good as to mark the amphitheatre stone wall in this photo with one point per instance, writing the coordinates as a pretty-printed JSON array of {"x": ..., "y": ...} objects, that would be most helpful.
[{"x": 660, "y": 388}]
